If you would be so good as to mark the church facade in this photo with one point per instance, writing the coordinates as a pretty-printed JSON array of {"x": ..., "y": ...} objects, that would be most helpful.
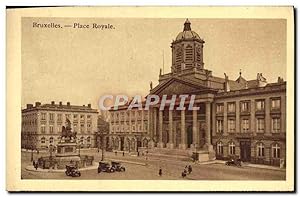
[{"x": 237, "y": 118}]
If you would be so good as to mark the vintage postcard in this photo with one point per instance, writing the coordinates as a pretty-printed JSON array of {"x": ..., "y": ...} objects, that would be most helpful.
[{"x": 150, "y": 99}]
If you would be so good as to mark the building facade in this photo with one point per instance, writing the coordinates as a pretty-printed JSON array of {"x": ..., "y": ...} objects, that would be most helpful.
[
  {"x": 128, "y": 129},
  {"x": 237, "y": 118},
  {"x": 42, "y": 124}
]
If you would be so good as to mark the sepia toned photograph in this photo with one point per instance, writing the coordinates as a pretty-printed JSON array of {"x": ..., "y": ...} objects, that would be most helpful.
[{"x": 179, "y": 100}]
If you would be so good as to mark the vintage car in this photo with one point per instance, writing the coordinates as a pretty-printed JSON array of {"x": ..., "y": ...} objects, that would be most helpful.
[
  {"x": 117, "y": 166},
  {"x": 234, "y": 162},
  {"x": 105, "y": 167},
  {"x": 72, "y": 170}
]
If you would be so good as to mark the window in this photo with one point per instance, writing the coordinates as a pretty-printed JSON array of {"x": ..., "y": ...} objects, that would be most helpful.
[
  {"x": 133, "y": 127},
  {"x": 276, "y": 150},
  {"x": 82, "y": 127},
  {"x": 51, "y": 116},
  {"x": 51, "y": 140},
  {"x": 88, "y": 140},
  {"x": 75, "y": 116},
  {"x": 89, "y": 127},
  {"x": 245, "y": 106},
  {"x": 43, "y": 116},
  {"x": 220, "y": 108},
  {"x": 81, "y": 140},
  {"x": 59, "y": 117},
  {"x": 231, "y": 107},
  {"x": 75, "y": 127},
  {"x": 231, "y": 148},
  {"x": 178, "y": 58},
  {"x": 260, "y": 125},
  {"x": 82, "y": 117},
  {"x": 231, "y": 125},
  {"x": 219, "y": 126},
  {"x": 220, "y": 148},
  {"x": 88, "y": 117},
  {"x": 189, "y": 53},
  {"x": 276, "y": 103},
  {"x": 245, "y": 125},
  {"x": 51, "y": 128},
  {"x": 59, "y": 128},
  {"x": 275, "y": 125},
  {"x": 68, "y": 116},
  {"x": 43, "y": 129},
  {"x": 43, "y": 140},
  {"x": 260, "y": 149},
  {"x": 260, "y": 105}
]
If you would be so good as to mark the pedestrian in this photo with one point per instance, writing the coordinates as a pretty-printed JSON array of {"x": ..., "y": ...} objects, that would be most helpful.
[
  {"x": 160, "y": 172},
  {"x": 183, "y": 174},
  {"x": 123, "y": 154},
  {"x": 37, "y": 151},
  {"x": 116, "y": 153},
  {"x": 190, "y": 169},
  {"x": 36, "y": 165},
  {"x": 138, "y": 154},
  {"x": 33, "y": 163}
]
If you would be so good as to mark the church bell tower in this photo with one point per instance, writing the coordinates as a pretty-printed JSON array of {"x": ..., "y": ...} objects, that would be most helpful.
[{"x": 187, "y": 50}]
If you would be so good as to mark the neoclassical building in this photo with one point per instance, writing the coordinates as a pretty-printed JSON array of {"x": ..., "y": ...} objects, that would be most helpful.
[
  {"x": 128, "y": 129},
  {"x": 240, "y": 117},
  {"x": 42, "y": 124}
]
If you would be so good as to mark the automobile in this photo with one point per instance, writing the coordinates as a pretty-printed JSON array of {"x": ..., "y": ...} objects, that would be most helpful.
[
  {"x": 234, "y": 162},
  {"x": 72, "y": 170},
  {"x": 117, "y": 166},
  {"x": 105, "y": 167}
]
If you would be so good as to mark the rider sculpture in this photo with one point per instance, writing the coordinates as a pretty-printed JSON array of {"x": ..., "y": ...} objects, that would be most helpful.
[{"x": 67, "y": 133}]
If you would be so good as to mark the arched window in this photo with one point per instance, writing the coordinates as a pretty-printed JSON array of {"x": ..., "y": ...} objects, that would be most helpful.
[
  {"x": 231, "y": 148},
  {"x": 51, "y": 140},
  {"x": 276, "y": 150},
  {"x": 220, "y": 148},
  {"x": 43, "y": 140},
  {"x": 189, "y": 53},
  {"x": 260, "y": 148}
]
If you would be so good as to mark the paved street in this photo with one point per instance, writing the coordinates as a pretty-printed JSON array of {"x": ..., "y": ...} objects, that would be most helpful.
[{"x": 171, "y": 170}]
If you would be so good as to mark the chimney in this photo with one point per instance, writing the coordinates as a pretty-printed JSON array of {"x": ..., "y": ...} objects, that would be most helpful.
[
  {"x": 28, "y": 106},
  {"x": 52, "y": 102},
  {"x": 89, "y": 105},
  {"x": 68, "y": 103},
  {"x": 37, "y": 104},
  {"x": 60, "y": 103}
]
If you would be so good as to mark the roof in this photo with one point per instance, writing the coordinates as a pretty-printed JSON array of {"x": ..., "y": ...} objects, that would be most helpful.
[{"x": 187, "y": 32}]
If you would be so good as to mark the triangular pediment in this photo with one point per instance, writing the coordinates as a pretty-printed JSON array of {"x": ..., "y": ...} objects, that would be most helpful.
[{"x": 176, "y": 86}]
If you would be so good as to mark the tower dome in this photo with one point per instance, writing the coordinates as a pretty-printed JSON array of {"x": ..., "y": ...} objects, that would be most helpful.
[{"x": 187, "y": 32}]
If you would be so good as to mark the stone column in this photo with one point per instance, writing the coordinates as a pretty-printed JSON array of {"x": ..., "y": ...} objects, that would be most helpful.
[
  {"x": 283, "y": 114},
  {"x": 142, "y": 121},
  {"x": 225, "y": 123},
  {"x": 154, "y": 123},
  {"x": 160, "y": 129},
  {"x": 195, "y": 131},
  {"x": 268, "y": 120},
  {"x": 170, "y": 140},
  {"x": 130, "y": 125},
  {"x": 237, "y": 117},
  {"x": 252, "y": 118},
  {"x": 207, "y": 122},
  {"x": 182, "y": 145}
]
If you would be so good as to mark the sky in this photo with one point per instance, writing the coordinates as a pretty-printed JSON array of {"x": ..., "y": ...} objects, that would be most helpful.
[{"x": 80, "y": 65}]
